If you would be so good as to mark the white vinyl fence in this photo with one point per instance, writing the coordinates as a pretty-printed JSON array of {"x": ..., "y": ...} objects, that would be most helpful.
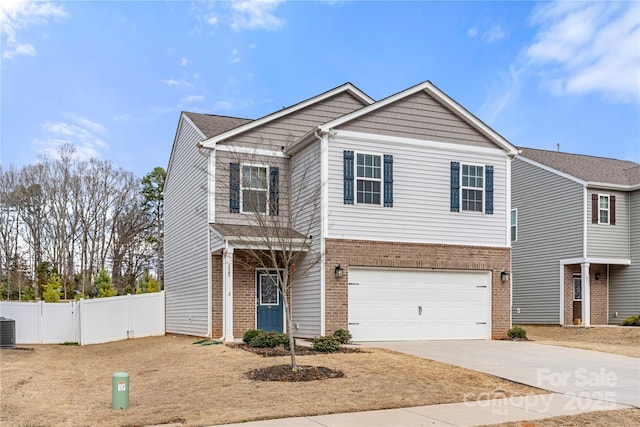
[{"x": 88, "y": 321}]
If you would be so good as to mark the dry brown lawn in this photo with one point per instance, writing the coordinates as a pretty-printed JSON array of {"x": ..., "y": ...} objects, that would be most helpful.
[
  {"x": 173, "y": 380},
  {"x": 620, "y": 418},
  {"x": 623, "y": 340}
]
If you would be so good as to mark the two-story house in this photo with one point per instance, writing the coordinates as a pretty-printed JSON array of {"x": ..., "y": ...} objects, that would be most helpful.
[
  {"x": 575, "y": 231},
  {"x": 411, "y": 219}
]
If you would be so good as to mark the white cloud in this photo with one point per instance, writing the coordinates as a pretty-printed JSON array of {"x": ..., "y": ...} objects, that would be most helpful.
[
  {"x": 493, "y": 34},
  {"x": 184, "y": 61},
  {"x": 81, "y": 133},
  {"x": 255, "y": 14},
  {"x": 192, "y": 98},
  {"x": 16, "y": 16},
  {"x": 588, "y": 47},
  {"x": 176, "y": 83},
  {"x": 212, "y": 20}
]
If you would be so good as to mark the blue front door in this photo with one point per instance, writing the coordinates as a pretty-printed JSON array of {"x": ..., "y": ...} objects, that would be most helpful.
[{"x": 269, "y": 307}]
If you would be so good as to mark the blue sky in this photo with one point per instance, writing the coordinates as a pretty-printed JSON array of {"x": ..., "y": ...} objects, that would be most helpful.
[{"x": 112, "y": 77}]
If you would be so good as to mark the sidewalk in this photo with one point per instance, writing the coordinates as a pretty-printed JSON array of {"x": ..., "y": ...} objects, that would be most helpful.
[{"x": 452, "y": 414}]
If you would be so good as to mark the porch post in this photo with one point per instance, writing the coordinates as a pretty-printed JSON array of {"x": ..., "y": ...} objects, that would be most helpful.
[
  {"x": 227, "y": 297},
  {"x": 586, "y": 294}
]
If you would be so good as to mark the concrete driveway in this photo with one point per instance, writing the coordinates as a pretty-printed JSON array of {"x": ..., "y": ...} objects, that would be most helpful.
[{"x": 582, "y": 374}]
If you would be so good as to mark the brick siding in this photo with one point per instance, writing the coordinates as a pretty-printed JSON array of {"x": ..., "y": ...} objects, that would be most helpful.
[
  {"x": 598, "y": 293},
  {"x": 409, "y": 255}
]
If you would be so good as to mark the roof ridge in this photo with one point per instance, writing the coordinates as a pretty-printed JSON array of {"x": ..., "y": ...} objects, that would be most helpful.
[{"x": 576, "y": 154}]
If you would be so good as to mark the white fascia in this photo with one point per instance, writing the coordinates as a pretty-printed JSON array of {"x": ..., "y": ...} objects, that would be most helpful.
[
  {"x": 596, "y": 260},
  {"x": 250, "y": 150},
  {"x": 440, "y": 96},
  {"x": 348, "y": 87},
  {"x": 438, "y": 145},
  {"x": 552, "y": 170}
]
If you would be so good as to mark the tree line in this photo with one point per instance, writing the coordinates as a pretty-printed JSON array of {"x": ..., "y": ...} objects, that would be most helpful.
[{"x": 75, "y": 220}]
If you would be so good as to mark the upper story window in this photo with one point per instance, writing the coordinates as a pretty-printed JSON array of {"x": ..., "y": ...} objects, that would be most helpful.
[
  {"x": 472, "y": 188},
  {"x": 254, "y": 188},
  {"x": 514, "y": 225},
  {"x": 369, "y": 179},
  {"x": 603, "y": 207},
  {"x": 373, "y": 176}
]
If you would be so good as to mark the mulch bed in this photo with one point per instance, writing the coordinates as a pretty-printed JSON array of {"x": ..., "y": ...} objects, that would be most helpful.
[
  {"x": 281, "y": 351},
  {"x": 286, "y": 374}
]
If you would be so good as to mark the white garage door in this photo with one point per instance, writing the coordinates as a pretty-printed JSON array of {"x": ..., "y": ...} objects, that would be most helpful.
[{"x": 406, "y": 304}]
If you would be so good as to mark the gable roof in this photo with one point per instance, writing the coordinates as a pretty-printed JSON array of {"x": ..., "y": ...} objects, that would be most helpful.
[
  {"x": 347, "y": 87},
  {"x": 593, "y": 170},
  {"x": 211, "y": 125},
  {"x": 441, "y": 97}
]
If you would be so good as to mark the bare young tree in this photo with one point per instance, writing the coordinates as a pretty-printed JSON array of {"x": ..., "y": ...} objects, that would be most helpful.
[{"x": 280, "y": 202}]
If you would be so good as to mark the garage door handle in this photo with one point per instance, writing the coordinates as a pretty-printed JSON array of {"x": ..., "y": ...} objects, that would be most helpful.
[
  {"x": 354, "y": 323},
  {"x": 481, "y": 286},
  {"x": 481, "y": 323}
]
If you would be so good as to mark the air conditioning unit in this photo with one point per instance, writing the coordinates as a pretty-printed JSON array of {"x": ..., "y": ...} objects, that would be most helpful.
[{"x": 7, "y": 333}]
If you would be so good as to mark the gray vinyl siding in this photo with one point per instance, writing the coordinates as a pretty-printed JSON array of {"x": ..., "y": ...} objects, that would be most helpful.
[
  {"x": 609, "y": 241},
  {"x": 550, "y": 228},
  {"x": 624, "y": 281},
  {"x": 419, "y": 116},
  {"x": 186, "y": 243},
  {"x": 306, "y": 197},
  {"x": 280, "y": 133},
  {"x": 421, "y": 211},
  {"x": 223, "y": 159}
]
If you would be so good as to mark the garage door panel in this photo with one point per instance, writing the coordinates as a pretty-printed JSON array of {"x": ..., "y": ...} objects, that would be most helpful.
[{"x": 397, "y": 304}]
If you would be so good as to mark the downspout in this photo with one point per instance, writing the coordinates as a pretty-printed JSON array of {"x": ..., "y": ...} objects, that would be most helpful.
[{"x": 323, "y": 218}]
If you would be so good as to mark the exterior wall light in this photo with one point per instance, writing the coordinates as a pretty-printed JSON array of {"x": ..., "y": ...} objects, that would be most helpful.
[
  {"x": 598, "y": 275},
  {"x": 504, "y": 276},
  {"x": 339, "y": 271}
]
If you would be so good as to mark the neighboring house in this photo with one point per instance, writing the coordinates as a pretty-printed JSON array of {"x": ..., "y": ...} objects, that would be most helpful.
[
  {"x": 412, "y": 218},
  {"x": 575, "y": 231}
]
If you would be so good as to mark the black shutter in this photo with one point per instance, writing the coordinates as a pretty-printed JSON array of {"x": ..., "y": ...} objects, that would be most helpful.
[
  {"x": 234, "y": 187},
  {"x": 388, "y": 180},
  {"x": 594, "y": 208},
  {"x": 612, "y": 210},
  {"x": 274, "y": 191},
  {"x": 455, "y": 187},
  {"x": 348, "y": 177},
  {"x": 488, "y": 183}
]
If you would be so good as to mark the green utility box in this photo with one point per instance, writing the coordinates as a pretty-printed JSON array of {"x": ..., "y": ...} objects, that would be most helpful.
[{"x": 120, "y": 390}]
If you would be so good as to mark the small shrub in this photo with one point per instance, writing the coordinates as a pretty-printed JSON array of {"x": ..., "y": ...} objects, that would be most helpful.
[
  {"x": 52, "y": 289},
  {"x": 248, "y": 336},
  {"x": 633, "y": 320},
  {"x": 517, "y": 332},
  {"x": 328, "y": 344},
  {"x": 270, "y": 339},
  {"x": 28, "y": 294},
  {"x": 103, "y": 282},
  {"x": 343, "y": 336}
]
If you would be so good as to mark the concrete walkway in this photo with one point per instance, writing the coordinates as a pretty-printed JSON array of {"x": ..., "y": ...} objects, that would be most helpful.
[
  {"x": 583, "y": 381},
  {"x": 451, "y": 414},
  {"x": 581, "y": 373}
]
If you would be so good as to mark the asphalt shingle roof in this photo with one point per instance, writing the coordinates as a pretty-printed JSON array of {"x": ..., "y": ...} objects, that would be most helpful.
[
  {"x": 587, "y": 168},
  {"x": 212, "y": 125}
]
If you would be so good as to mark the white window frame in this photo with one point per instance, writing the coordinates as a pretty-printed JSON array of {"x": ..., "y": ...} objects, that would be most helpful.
[
  {"x": 358, "y": 178},
  {"x": 573, "y": 287},
  {"x": 243, "y": 188},
  {"x": 466, "y": 187},
  {"x": 269, "y": 273},
  {"x": 513, "y": 229},
  {"x": 607, "y": 210}
]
